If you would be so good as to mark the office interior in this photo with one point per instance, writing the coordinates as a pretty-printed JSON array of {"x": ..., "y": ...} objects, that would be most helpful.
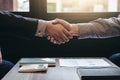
[{"x": 74, "y": 11}]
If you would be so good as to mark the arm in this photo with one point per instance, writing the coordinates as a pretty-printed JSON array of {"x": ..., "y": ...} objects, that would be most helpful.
[
  {"x": 17, "y": 24},
  {"x": 100, "y": 28},
  {"x": 28, "y": 27}
]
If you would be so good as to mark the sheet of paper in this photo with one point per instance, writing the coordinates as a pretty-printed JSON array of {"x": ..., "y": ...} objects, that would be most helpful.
[{"x": 84, "y": 63}]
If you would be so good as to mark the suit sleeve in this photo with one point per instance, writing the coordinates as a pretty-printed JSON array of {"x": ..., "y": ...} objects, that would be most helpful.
[
  {"x": 17, "y": 24},
  {"x": 100, "y": 28}
]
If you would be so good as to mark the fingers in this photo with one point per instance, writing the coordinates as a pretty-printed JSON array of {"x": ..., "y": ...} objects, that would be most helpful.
[
  {"x": 51, "y": 39},
  {"x": 65, "y": 38},
  {"x": 57, "y": 33},
  {"x": 62, "y": 39},
  {"x": 68, "y": 34},
  {"x": 65, "y": 24},
  {"x": 48, "y": 37}
]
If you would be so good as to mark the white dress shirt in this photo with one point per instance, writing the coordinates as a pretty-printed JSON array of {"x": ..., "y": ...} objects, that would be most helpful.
[{"x": 41, "y": 28}]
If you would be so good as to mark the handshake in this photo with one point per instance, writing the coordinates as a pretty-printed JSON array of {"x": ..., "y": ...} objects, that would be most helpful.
[{"x": 59, "y": 31}]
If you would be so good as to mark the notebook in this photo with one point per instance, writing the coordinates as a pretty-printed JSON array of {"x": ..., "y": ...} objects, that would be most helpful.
[
  {"x": 103, "y": 73},
  {"x": 49, "y": 61}
]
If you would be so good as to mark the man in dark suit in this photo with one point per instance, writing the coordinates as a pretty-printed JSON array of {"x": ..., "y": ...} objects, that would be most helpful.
[{"x": 29, "y": 27}]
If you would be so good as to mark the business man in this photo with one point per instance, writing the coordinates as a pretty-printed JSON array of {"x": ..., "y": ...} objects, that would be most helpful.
[
  {"x": 29, "y": 27},
  {"x": 100, "y": 28}
]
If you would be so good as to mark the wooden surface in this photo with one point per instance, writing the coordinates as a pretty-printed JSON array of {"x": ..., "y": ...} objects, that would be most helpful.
[{"x": 53, "y": 73}]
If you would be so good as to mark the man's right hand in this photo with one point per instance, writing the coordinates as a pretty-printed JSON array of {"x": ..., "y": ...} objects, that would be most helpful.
[
  {"x": 72, "y": 28},
  {"x": 0, "y": 57},
  {"x": 58, "y": 32},
  {"x": 64, "y": 23}
]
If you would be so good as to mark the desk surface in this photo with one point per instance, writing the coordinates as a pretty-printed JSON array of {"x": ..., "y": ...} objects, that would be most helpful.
[{"x": 53, "y": 73}]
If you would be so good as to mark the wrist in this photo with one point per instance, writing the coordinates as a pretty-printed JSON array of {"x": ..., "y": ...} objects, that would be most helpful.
[
  {"x": 74, "y": 30},
  {"x": 48, "y": 27},
  {"x": 41, "y": 28}
]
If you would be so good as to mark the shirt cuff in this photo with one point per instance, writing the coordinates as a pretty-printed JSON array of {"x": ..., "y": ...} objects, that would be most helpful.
[{"x": 41, "y": 28}]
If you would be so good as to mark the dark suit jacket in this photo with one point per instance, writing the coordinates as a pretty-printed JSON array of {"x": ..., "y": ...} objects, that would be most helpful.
[
  {"x": 15, "y": 24},
  {"x": 13, "y": 27}
]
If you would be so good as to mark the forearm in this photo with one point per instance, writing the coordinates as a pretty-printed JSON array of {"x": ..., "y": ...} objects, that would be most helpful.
[
  {"x": 100, "y": 28},
  {"x": 23, "y": 26},
  {"x": 17, "y": 24}
]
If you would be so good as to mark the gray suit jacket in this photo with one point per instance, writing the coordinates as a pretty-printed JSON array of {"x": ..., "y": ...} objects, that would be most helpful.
[{"x": 100, "y": 28}]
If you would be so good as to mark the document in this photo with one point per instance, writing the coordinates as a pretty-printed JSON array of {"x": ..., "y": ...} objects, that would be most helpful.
[{"x": 84, "y": 62}]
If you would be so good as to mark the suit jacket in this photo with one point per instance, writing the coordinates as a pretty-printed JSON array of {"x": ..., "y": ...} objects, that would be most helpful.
[
  {"x": 100, "y": 28},
  {"x": 16, "y": 24}
]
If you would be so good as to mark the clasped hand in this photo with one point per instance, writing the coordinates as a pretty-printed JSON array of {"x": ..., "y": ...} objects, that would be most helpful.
[{"x": 59, "y": 31}]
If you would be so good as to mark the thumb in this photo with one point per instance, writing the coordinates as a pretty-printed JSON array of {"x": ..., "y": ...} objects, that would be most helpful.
[{"x": 64, "y": 23}]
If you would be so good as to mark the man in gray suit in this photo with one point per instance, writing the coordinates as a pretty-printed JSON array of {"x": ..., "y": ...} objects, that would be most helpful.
[{"x": 100, "y": 28}]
